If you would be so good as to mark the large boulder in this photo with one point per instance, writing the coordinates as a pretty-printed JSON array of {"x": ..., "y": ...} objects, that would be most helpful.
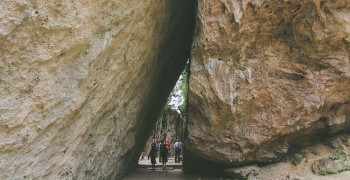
[
  {"x": 266, "y": 75},
  {"x": 83, "y": 82}
]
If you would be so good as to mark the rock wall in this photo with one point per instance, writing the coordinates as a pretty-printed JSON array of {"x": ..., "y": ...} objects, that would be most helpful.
[
  {"x": 82, "y": 82},
  {"x": 265, "y": 76},
  {"x": 169, "y": 127},
  {"x": 174, "y": 126}
]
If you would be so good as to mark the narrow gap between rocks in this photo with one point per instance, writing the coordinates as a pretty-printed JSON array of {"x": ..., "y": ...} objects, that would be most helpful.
[
  {"x": 170, "y": 127},
  {"x": 170, "y": 124}
]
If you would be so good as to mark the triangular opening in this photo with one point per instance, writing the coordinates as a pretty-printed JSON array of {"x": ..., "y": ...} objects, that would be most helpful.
[{"x": 169, "y": 130}]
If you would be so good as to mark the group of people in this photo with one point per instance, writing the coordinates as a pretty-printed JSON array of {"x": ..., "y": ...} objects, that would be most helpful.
[{"x": 164, "y": 148}]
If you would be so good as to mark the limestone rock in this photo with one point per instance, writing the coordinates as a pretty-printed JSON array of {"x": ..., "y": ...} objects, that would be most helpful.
[
  {"x": 83, "y": 82},
  {"x": 267, "y": 75},
  {"x": 326, "y": 166},
  {"x": 297, "y": 159},
  {"x": 315, "y": 150},
  {"x": 242, "y": 172},
  {"x": 338, "y": 160},
  {"x": 336, "y": 144}
]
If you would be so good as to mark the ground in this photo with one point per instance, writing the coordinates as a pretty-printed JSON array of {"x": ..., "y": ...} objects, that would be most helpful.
[
  {"x": 173, "y": 172},
  {"x": 303, "y": 171},
  {"x": 284, "y": 170}
]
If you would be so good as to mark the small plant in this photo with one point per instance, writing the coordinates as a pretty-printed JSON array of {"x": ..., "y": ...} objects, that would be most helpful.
[
  {"x": 325, "y": 172},
  {"x": 236, "y": 99},
  {"x": 340, "y": 155},
  {"x": 336, "y": 157}
]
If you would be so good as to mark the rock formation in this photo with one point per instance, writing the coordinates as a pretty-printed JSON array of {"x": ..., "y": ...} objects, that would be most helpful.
[
  {"x": 173, "y": 126},
  {"x": 266, "y": 75},
  {"x": 82, "y": 82},
  {"x": 169, "y": 127}
]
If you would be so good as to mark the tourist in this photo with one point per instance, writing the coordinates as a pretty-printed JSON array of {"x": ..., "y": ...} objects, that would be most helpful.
[
  {"x": 153, "y": 154},
  {"x": 177, "y": 147},
  {"x": 159, "y": 146},
  {"x": 168, "y": 147},
  {"x": 164, "y": 155}
]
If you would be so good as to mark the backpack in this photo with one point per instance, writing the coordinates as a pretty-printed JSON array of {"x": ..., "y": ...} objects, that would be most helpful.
[{"x": 167, "y": 145}]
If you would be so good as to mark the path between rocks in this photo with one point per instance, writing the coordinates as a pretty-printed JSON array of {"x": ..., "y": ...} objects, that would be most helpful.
[
  {"x": 284, "y": 170},
  {"x": 173, "y": 172},
  {"x": 169, "y": 174}
]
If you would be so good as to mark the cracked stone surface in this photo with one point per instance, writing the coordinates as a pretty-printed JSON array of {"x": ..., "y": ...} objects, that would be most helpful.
[
  {"x": 82, "y": 82},
  {"x": 266, "y": 75}
]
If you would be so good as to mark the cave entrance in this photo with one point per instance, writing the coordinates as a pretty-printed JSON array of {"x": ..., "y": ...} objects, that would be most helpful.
[{"x": 170, "y": 126}]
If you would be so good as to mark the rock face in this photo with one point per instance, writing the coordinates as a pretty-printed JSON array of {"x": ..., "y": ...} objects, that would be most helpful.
[
  {"x": 168, "y": 127},
  {"x": 173, "y": 128},
  {"x": 82, "y": 82},
  {"x": 266, "y": 75}
]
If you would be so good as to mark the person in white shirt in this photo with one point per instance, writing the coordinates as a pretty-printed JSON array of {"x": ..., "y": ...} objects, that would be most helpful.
[{"x": 177, "y": 147}]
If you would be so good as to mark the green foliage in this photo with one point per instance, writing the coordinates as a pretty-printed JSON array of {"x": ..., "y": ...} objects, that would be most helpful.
[
  {"x": 184, "y": 90},
  {"x": 340, "y": 155},
  {"x": 167, "y": 106},
  {"x": 183, "y": 106},
  {"x": 325, "y": 172}
]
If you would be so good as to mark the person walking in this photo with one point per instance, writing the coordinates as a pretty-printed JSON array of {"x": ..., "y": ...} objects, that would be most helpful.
[
  {"x": 153, "y": 155},
  {"x": 164, "y": 155},
  {"x": 159, "y": 147},
  {"x": 177, "y": 147},
  {"x": 168, "y": 147}
]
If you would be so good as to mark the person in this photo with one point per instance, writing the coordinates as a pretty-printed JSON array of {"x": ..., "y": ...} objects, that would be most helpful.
[
  {"x": 153, "y": 154},
  {"x": 164, "y": 154},
  {"x": 159, "y": 146},
  {"x": 168, "y": 147},
  {"x": 177, "y": 147}
]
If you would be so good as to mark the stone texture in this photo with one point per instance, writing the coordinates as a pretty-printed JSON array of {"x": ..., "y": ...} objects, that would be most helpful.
[
  {"x": 242, "y": 172},
  {"x": 338, "y": 161},
  {"x": 326, "y": 166},
  {"x": 168, "y": 127},
  {"x": 83, "y": 82},
  {"x": 297, "y": 159},
  {"x": 266, "y": 75}
]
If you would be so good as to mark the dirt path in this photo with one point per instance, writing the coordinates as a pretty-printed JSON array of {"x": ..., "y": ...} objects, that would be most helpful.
[
  {"x": 278, "y": 171},
  {"x": 159, "y": 174},
  {"x": 173, "y": 172}
]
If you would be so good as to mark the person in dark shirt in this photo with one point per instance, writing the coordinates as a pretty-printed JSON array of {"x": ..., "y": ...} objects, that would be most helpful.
[
  {"x": 164, "y": 155},
  {"x": 153, "y": 155}
]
